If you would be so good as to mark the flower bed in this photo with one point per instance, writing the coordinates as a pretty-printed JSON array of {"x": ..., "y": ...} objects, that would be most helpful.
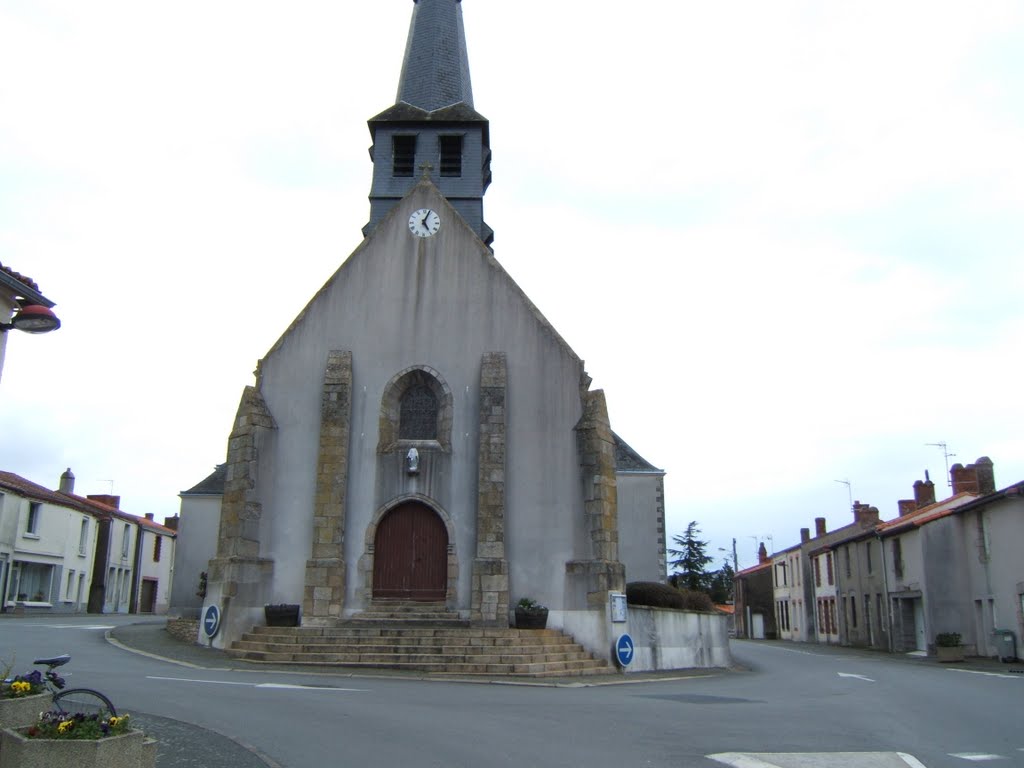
[{"x": 128, "y": 750}]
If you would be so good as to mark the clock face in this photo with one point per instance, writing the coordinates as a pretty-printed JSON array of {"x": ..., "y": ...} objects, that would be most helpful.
[{"x": 424, "y": 222}]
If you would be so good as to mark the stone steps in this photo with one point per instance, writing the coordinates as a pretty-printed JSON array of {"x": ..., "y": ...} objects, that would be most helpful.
[{"x": 448, "y": 649}]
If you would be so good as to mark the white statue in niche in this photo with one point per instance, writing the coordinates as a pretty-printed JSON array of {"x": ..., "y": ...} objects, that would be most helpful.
[{"x": 412, "y": 461}]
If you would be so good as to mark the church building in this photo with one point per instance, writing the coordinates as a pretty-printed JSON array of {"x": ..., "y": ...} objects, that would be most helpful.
[{"x": 420, "y": 432}]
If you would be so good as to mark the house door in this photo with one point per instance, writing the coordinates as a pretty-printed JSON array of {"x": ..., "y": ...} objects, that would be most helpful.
[
  {"x": 147, "y": 597},
  {"x": 757, "y": 622},
  {"x": 410, "y": 560}
]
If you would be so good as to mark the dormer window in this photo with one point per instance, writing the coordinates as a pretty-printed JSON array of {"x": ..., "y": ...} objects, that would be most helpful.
[
  {"x": 451, "y": 155},
  {"x": 403, "y": 155}
]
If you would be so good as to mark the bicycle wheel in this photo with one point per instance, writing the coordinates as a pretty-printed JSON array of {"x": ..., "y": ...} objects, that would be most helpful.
[{"x": 85, "y": 701}]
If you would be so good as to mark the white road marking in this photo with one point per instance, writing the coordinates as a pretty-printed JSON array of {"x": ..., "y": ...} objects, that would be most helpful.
[
  {"x": 988, "y": 674},
  {"x": 817, "y": 760},
  {"x": 71, "y": 626},
  {"x": 857, "y": 677},
  {"x": 976, "y": 757},
  {"x": 258, "y": 685}
]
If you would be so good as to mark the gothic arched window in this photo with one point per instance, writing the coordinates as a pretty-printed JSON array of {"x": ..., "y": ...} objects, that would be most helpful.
[{"x": 418, "y": 415}]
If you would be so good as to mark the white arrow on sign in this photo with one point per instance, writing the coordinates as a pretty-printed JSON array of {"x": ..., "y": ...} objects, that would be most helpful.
[
  {"x": 626, "y": 649},
  {"x": 858, "y": 677}
]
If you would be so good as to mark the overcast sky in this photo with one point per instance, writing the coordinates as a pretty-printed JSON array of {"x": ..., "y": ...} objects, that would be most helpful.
[{"x": 786, "y": 237}]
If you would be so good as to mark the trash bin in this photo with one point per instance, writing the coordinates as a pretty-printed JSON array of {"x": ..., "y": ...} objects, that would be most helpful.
[{"x": 1005, "y": 643}]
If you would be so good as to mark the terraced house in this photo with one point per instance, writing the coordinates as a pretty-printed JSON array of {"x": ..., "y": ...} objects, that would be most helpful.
[
  {"x": 64, "y": 553},
  {"x": 941, "y": 566}
]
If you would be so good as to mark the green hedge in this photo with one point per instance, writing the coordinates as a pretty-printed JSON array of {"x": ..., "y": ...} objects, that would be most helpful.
[{"x": 658, "y": 595}]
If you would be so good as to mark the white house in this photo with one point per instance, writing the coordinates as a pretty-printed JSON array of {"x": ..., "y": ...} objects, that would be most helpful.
[{"x": 47, "y": 547}]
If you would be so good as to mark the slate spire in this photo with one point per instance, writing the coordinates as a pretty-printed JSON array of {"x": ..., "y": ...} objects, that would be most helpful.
[
  {"x": 435, "y": 70},
  {"x": 433, "y": 130}
]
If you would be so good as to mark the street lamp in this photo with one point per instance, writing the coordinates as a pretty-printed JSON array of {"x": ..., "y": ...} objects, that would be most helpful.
[{"x": 32, "y": 318}]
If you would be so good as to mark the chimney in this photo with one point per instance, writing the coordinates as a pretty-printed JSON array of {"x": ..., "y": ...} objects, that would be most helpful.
[
  {"x": 965, "y": 479},
  {"x": 865, "y": 515},
  {"x": 986, "y": 475},
  {"x": 149, "y": 516},
  {"x": 819, "y": 526},
  {"x": 762, "y": 554},
  {"x": 906, "y": 506},
  {"x": 171, "y": 522},
  {"x": 805, "y": 535},
  {"x": 67, "y": 482},
  {"x": 924, "y": 492},
  {"x": 105, "y": 498}
]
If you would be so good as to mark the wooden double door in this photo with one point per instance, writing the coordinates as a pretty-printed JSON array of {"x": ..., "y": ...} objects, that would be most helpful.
[{"x": 410, "y": 555}]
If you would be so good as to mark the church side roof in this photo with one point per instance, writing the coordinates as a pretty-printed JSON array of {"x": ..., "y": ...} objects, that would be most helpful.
[
  {"x": 628, "y": 460},
  {"x": 435, "y": 70},
  {"x": 211, "y": 485}
]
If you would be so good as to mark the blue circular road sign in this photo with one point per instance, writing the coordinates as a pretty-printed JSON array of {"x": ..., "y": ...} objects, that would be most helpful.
[
  {"x": 211, "y": 620},
  {"x": 624, "y": 650}
]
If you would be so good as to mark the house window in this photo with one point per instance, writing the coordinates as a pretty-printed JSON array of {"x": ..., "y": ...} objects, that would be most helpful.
[
  {"x": 418, "y": 415},
  {"x": 828, "y": 568},
  {"x": 853, "y": 610},
  {"x": 32, "y": 524},
  {"x": 30, "y": 582},
  {"x": 846, "y": 557},
  {"x": 157, "y": 540},
  {"x": 125, "y": 541},
  {"x": 451, "y": 155},
  {"x": 867, "y": 554},
  {"x": 780, "y": 574},
  {"x": 897, "y": 557},
  {"x": 70, "y": 586},
  {"x": 83, "y": 536},
  {"x": 817, "y": 571},
  {"x": 403, "y": 149}
]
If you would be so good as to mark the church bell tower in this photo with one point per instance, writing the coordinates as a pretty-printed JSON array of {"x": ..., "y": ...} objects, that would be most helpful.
[{"x": 433, "y": 131}]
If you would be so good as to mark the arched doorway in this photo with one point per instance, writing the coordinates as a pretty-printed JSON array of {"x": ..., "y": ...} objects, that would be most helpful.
[{"x": 410, "y": 555}]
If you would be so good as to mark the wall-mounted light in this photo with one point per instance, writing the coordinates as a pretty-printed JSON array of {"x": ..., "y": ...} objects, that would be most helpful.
[{"x": 32, "y": 318}]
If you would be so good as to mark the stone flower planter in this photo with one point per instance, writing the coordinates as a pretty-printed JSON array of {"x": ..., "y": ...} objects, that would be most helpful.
[
  {"x": 949, "y": 653},
  {"x": 23, "y": 710},
  {"x": 283, "y": 615},
  {"x": 129, "y": 750},
  {"x": 531, "y": 618}
]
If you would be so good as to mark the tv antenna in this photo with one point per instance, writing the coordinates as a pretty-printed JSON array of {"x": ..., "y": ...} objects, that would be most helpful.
[{"x": 946, "y": 455}]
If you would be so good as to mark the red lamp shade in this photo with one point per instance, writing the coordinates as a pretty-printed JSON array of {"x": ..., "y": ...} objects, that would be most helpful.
[{"x": 35, "y": 318}]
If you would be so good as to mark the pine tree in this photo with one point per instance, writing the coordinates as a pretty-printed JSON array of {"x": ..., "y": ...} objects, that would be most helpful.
[
  {"x": 721, "y": 584},
  {"x": 690, "y": 559}
]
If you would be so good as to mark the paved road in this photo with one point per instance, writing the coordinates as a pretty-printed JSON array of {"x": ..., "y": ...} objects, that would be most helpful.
[{"x": 793, "y": 706}]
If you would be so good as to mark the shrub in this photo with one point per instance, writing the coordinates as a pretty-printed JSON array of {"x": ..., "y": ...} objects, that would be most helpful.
[
  {"x": 658, "y": 595},
  {"x": 948, "y": 639}
]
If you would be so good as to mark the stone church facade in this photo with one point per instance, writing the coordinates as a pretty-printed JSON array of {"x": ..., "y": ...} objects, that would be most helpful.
[{"x": 421, "y": 432}]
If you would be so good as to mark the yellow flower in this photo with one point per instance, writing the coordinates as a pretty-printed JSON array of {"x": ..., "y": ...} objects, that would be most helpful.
[
  {"x": 65, "y": 726},
  {"x": 20, "y": 687}
]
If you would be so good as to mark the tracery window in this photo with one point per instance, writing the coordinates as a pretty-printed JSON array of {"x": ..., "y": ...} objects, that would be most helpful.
[{"x": 418, "y": 415}]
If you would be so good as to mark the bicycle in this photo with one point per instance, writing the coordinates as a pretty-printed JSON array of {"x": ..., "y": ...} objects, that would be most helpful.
[{"x": 72, "y": 701}]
